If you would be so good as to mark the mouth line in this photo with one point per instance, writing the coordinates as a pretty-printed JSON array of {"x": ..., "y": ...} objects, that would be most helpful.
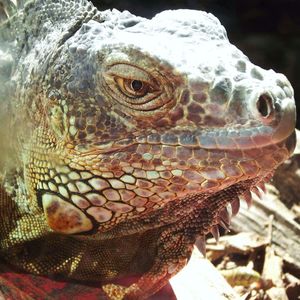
[
  {"x": 231, "y": 138},
  {"x": 226, "y": 140}
]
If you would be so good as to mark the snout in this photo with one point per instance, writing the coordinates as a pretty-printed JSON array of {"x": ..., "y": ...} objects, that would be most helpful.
[
  {"x": 256, "y": 113},
  {"x": 274, "y": 107}
]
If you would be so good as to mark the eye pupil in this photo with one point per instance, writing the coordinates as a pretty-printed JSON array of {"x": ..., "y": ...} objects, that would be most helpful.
[{"x": 136, "y": 85}]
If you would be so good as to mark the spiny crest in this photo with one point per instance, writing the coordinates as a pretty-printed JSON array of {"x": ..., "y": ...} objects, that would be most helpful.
[
  {"x": 25, "y": 26},
  {"x": 9, "y": 7},
  {"x": 8, "y": 140}
]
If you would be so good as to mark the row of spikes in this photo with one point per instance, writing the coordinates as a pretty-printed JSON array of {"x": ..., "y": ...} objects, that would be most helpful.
[
  {"x": 232, "y": 209},
  {"x": 9, "y": 7}
]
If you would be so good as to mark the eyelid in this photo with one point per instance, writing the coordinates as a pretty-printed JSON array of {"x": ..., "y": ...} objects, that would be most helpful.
[
  {"x": 129, "y": 72},
  {"x": 114, "y": 77}
]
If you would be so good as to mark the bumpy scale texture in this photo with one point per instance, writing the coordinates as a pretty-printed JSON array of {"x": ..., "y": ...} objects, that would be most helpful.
[{"x": 124, "y": 139}]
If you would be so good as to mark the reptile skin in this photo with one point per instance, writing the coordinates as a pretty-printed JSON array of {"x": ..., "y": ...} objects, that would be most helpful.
[{"x": 124, "y": 139}]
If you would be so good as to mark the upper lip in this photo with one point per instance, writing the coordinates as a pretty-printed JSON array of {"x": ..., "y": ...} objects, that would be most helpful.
[{"x": 221, "y": 138}]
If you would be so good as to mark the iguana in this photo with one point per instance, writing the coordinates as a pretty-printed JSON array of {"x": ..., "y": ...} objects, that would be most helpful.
[{"x": 124, "y": 139}]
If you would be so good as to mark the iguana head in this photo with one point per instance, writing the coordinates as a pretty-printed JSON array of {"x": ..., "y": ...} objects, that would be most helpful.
[{"x": 132, "y": 115}]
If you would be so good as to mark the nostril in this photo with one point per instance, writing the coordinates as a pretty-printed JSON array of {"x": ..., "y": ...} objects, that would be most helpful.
[{"x": 265, "y": 106}]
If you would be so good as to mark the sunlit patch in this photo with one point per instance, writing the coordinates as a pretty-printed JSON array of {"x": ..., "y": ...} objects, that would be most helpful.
[{"x": 64, "y": 217}]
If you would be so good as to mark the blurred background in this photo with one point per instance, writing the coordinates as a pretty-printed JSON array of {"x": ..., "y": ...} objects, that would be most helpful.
[{"x": 267, "y": 31}]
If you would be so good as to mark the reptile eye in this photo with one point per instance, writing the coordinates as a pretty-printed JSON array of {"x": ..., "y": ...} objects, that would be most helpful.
[
  {"x": 136, "y": 85},
  {"x": 132, "y": 88}
]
